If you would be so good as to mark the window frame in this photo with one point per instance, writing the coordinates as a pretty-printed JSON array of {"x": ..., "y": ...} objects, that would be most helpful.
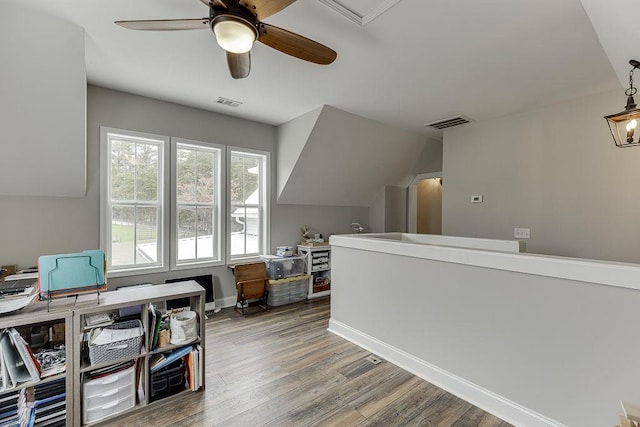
[
  {"x": 221, "y": 202},
  {"x": 106, "y": 201},
  {"x": 265, "y": 199}
]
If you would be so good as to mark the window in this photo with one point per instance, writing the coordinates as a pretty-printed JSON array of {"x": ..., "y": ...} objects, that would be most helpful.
[
  {"x": 196, "y": 215},
  {"x": 248, "y": 203},
  {"x": 163, "y": 203},
  {"x": 133, "y": 199}
]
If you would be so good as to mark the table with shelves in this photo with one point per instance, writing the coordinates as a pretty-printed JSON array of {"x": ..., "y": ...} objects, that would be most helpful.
[
  {"x": 131, "y": 297},
  {"x": 36, "y": 314},
  {"x": 72, "y": 312}
]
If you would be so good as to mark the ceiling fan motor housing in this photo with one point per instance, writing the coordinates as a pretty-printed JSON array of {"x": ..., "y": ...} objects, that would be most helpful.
[{"x": 236, "y": 13}]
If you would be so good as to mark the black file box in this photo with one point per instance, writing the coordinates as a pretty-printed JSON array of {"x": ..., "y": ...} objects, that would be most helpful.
[{"x": 167, "y": 381}]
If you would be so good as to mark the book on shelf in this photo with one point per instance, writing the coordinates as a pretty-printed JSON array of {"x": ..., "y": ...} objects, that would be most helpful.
[
  {"x": 195, "y": 378},
  {"x": 171, "y": 357},
  {"x": 156, "y": 359}
]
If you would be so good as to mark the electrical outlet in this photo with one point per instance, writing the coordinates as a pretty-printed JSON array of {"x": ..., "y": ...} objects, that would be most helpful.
[
  {"x": 522, "y": 233},
  {"x": 476, "y": 199}
]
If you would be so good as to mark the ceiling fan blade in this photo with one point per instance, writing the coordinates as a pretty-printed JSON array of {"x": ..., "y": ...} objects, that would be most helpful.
[
  {"x": 295, "y": 45},
  {"x": 239, "y": 64},
  {"x": 215, "y": 3},
  {"x": 264, "y": 8},
  {"x": 166, "y": 24}
]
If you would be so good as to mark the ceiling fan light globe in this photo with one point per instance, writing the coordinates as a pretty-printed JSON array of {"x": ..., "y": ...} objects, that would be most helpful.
[{"x": 234, "y": 36}]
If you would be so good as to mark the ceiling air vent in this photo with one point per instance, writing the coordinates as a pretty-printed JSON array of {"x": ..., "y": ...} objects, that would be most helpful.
[
  {"x": 228, "y": 102},
  {"x": 359, "y": 11},
  {"x": 450, "y": 122}
]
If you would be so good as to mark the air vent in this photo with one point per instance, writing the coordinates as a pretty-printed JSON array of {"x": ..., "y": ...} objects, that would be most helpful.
[
  {"x": 450, "y": 122},
  {"x": 359, "y": 11},
  {"x": 228, "y": 102}
]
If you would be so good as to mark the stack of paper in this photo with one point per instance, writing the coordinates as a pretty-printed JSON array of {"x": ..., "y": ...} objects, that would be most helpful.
[
  {"x": 10, "y": 300},
  {"x": 52, "y": 361},
  {"x": 100, "y": 319}
]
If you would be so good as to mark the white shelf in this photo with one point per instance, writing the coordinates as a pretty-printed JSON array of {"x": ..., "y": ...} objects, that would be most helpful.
[{"x": 313, "y": 254}]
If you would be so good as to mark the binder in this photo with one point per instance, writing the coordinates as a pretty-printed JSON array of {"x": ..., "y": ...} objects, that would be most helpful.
[
  {"x": 25, "y": 353},
  {"x": 18, "y": 372}
]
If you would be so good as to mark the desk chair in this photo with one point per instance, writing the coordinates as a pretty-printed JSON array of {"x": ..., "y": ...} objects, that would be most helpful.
[{"x": 251, "y": 282}]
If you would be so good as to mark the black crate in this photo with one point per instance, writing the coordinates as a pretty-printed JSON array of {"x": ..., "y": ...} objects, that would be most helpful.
[{"x": 168, "y": 381}]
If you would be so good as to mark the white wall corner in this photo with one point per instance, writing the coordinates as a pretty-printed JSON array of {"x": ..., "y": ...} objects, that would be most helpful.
[{"x": 291, "y": 138}]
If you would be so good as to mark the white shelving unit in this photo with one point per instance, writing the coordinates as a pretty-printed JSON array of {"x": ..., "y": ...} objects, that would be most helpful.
[
  {"x": 319, "y": 268},
  {"x": 127, "y": 298}
]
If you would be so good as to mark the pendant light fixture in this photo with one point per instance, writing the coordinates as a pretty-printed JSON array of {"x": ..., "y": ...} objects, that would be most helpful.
[{"x": 623, "y": 124}]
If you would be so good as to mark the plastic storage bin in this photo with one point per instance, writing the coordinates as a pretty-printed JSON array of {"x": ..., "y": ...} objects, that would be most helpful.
[
  {"x": 280, "y": 268},
  {"x": 287, "y": 291},
  {"x": 109, "y": 395}
]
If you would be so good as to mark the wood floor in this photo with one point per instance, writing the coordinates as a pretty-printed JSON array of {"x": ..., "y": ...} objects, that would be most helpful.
[{"x": 282, "y": 368}]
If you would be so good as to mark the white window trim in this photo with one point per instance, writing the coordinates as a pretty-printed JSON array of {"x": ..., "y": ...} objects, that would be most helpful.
[
  {"x": 266, "y": 198},
  {"x": 105, "y": 214},
  {"x": 222, "y": 186}
]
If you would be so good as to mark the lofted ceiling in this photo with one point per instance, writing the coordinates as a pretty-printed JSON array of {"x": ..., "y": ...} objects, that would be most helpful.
[{"x": 417, "y": 62}]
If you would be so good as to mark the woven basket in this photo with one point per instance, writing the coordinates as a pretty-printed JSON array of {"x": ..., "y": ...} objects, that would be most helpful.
[{"x": 117, "y": 350}]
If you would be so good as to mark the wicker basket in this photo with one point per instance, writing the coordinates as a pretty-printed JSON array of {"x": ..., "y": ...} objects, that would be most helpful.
[{"x": 117, "y": 350}]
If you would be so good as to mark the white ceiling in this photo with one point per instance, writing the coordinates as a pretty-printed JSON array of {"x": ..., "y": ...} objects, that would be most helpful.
[{"x": 420, "y": 61}]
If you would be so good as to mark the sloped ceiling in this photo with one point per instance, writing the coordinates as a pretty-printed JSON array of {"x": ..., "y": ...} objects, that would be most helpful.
[
  {"x": 331, "y": 157},
  {"x": 616, "y": 24},
  {"x": 419, "y": 62}
]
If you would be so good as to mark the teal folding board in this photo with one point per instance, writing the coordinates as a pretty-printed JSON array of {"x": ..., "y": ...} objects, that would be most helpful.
[{"x": 69, "y": 274}]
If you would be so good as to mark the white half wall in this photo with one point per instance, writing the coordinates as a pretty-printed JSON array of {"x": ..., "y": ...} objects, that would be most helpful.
[
  {"x": 553, "y": 170},
  {"x": 544, "y": 349},
  {"x": 42, "y": 105}
]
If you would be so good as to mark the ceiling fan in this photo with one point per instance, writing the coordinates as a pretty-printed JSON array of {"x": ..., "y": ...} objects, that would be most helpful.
[{"x": 237, "y": 24}]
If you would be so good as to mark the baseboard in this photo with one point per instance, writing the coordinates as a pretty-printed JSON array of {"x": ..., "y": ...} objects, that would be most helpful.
[
  {"x": 226, "y": 302},
  {"x": 482, "y": 398}
]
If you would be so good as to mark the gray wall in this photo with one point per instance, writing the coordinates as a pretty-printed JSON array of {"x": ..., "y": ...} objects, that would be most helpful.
[
  {"x": 348, "y": 158},
  {"x": 377, "y": 213},
  {"x": 42, "y": 105},
  {"x": 554, "y": 170},
  {"x": 395, "y": 215},
  {"x": 34, "y": 226},
  {"x": 388, "y": 212},
  {"x": 430, "y": 159}
]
